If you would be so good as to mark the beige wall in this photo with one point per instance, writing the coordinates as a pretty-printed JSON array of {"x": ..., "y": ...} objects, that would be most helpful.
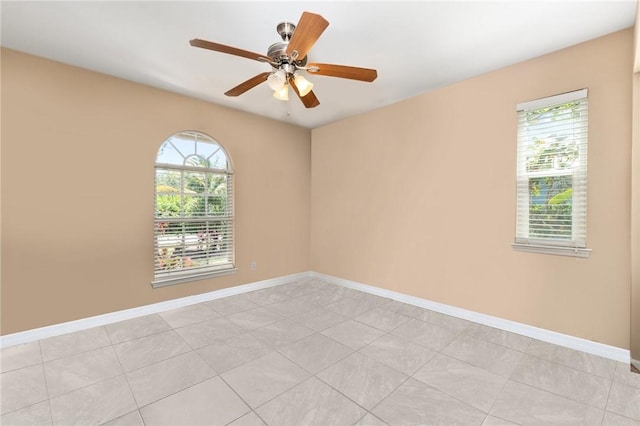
[
  {"x": 635, "y": 224},
  {"x": 0, "y": 191},
  {"x": 390, "y": 194},
  {"x": 77, "y": 191},
  {"x": 419, "y": 197},
  {"x": 635, "y": 199},
  {"x": 636, "y": 40}
]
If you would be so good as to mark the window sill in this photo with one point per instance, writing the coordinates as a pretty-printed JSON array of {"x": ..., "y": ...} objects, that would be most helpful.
[
  {"x": 178, "y": 279},
  {"x": 554, "y": 250}
]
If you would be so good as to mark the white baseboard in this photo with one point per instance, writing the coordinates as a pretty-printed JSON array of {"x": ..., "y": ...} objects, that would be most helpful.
[
  {"x": 98, "y": 320},
  {"x": 635, "y": 363},
  {"x": 560, "y": 339},
  {"x": 565, "y": 340}
]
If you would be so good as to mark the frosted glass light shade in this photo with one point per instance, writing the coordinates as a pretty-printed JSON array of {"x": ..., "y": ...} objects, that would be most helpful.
[
  {"x": 282, "y": 93},
  {"x": 277, "y": 80},
  {"x": 304, "y": 86}
]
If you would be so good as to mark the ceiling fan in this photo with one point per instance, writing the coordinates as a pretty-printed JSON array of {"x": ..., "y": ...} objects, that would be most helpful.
[{"x": 288, "y": 58}]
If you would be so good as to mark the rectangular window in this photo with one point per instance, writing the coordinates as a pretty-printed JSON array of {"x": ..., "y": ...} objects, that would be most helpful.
[
  {"x": 193, "y": 225},
  {"x": 552, "y": 175}
]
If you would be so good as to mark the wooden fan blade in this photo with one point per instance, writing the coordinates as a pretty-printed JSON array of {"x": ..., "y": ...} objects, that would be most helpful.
[
  {"x": 343, "y": 71},
  {"x": 307, "y": 32},
  {"x": 249, "y": 84},
  {"x": 309, "y": 100},
  {"x": 196, "y": 42}
]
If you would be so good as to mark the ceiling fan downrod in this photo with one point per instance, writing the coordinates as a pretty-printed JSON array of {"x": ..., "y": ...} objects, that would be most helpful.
[{"x": 285, "y": 29}]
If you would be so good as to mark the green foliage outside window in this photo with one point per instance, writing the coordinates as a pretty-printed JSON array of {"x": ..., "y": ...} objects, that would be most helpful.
[
  {"x": 551, "y": 196},
  {"x": 190, "y": 195}
]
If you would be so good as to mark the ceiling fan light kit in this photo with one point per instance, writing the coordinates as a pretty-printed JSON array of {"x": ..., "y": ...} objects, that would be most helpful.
[{"x": 288, "y": 58}]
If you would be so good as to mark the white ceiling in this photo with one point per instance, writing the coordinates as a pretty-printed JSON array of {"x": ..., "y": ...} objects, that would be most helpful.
[{"x": 416, "y": 46}]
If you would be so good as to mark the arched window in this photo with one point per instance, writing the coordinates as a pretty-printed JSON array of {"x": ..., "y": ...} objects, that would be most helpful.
[{"x": 193, "y": 210}]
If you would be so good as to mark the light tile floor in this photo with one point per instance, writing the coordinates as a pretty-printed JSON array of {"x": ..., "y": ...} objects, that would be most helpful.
[{"x": 309, "y": 353}]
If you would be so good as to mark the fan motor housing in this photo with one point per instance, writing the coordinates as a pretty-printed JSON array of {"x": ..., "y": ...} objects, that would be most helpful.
[{"x": 278, "y": 53}]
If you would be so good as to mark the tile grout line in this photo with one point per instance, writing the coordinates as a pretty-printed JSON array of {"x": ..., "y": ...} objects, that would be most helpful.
[
  {"x": 315, "y": 375},
  {"x": 251, "y": 409},
  {"x": 559, "y": 394},
  {"x": 609, "y": 396},
  {"x": 388, "y": 395},
  {"x": 453, "y": 396},
  {"x": 606, "y": 405},
  {"x": 179, "y": 390},
  {"x": 350, "y": 399},
  {"x": 46, "y": 383},
  {"x": 500, "y": 392},
  {"x": 570, "y": 365},
  {"x": 126, "y": 379},
  {"x": 440, "y": 352},
  {"x": 46, "y": 386},
  {"x": 493, "y": 404},
  {"x": 271, "y": 399},
  {"x": 125, "y": 372},
  {"x": 75, "y": 353},
  {"x": 325, "y": 368}
]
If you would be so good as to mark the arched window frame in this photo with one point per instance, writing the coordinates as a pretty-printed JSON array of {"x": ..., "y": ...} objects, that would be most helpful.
[{"x": 193, "y": 210}]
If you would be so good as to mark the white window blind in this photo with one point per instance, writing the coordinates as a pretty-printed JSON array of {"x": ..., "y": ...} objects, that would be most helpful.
[
  {"x": 193, "y": 210},
  {"x": 552, "y": 174}
]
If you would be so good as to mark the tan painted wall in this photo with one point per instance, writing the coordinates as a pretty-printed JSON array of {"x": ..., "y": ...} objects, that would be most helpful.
[
  {"x": 635, "y": 199},
  {"x": 636, "y": 40},
  {"x": 0, "y": 190},
  {"x": 419, "y": 197},
  {"x": 635, "y": 224},
  {"x": 77, "y": 188}
]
